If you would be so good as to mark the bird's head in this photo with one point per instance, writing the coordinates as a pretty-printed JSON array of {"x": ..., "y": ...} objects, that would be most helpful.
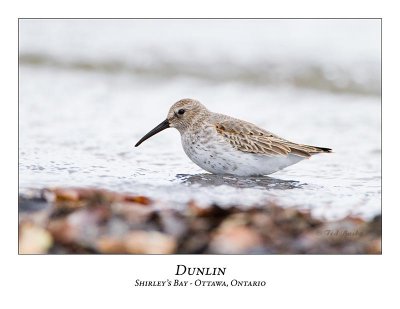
[{"x": 181, "y": 116}]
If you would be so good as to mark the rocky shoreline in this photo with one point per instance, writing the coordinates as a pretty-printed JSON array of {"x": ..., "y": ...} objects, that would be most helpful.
[{"x": 95, "y": 221}]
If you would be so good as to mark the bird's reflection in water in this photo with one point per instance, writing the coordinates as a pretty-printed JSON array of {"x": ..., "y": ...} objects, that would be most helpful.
[{"x": 265, "y": 182}]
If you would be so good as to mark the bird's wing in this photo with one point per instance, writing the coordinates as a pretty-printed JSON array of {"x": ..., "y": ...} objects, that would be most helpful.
[{"x": 247, "y": 137}]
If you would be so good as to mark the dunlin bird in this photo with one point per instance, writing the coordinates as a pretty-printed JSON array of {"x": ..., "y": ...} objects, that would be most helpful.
[{"x": 225, "y": 145}]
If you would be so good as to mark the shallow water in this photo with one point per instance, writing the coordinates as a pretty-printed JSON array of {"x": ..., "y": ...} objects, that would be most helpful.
[{"x": 79, "y": 123}]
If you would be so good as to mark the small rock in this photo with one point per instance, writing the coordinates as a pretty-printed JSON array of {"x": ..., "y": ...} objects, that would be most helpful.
[
  {"x": 110, "y": 245},
  {"x": 235, "y": 240},
  {"x": 34, "y": 239},
  {"x": 138, "y": 199},
  {"x": 149, "y": 242}
]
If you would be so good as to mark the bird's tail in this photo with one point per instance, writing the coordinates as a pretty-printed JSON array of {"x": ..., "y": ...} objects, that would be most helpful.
[
  {"x": 323, "y": 149},
  {"x": 307, "y": 150}
]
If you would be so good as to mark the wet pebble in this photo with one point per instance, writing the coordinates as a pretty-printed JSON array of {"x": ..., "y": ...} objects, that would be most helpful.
[{"x": 34, "y": 239}]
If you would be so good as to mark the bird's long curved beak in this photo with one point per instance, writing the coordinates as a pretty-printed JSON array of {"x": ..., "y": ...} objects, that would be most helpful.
[{"x": 162, "y": 126}]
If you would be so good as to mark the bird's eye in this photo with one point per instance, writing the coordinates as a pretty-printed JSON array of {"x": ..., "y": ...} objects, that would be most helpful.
[{"x": 181, "y": 111}]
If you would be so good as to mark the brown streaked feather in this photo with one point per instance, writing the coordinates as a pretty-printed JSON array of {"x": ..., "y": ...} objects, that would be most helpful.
[{"x": 247, "y": 137}]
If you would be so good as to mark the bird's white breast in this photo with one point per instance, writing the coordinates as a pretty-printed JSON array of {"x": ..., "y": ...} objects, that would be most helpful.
[{"x": 214, "y": 154}]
